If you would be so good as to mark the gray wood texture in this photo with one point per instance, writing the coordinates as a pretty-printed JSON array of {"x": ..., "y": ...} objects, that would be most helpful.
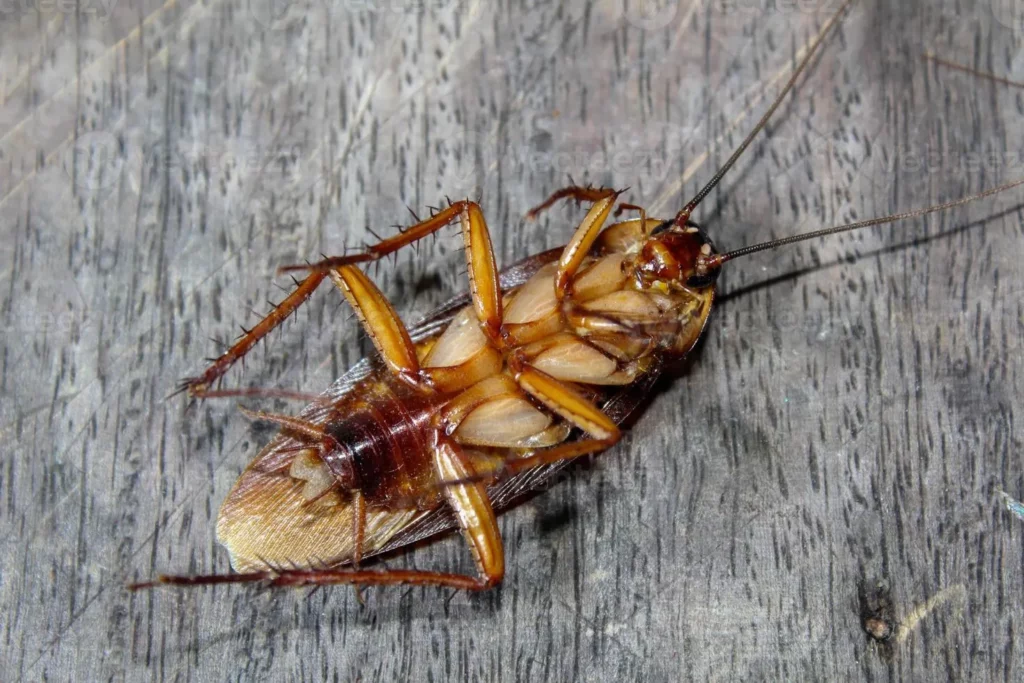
[{"x": 852, "y": 417}]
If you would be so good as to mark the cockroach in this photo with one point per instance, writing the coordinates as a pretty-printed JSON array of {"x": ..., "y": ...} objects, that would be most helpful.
[{"x": 486, "y": 399}]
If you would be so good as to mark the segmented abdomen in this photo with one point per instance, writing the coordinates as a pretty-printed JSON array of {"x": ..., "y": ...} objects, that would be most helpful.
[
  {"x": 383, "y": 437},
  {"x": 607, "y": 332}
]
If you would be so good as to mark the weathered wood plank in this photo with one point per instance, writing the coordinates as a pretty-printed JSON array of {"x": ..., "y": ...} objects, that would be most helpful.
[{"x": 851, "y": 418}]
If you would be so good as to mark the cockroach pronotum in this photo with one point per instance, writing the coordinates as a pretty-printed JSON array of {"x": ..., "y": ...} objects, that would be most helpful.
[{"x": 487, "y": 398}]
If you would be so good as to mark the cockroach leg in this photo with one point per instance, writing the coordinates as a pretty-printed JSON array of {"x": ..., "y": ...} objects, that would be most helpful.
[
  {"x": 473, "y": 511},
  {"x": 575, "y": 192},
  {"x": 380, "y": 321},
  {"x": 578, "y": 247},
  {"x": 565, "y": 451},
  {"x": 475, "y": 518},
  {"x": 358, "y": 537},
  {"x": 199, "y": 387},
  {"x": 322, "y": 577},
  {"x": 573, "y": 407},
  {"x": 623, "y": 207},
  {"x": 390, "y": 245},
  {"x": 569, "y": 404},
  {"x": 482, "y": 269},
  {"x": 358, "y": 527},
  {"x": 258, "y": 392},
  {"x": 483, "y": 273},
  {"x": 298, "y": 426}
]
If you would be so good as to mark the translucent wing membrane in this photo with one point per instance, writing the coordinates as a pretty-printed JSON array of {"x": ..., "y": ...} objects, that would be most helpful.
[{"x": 473, "y": 408}]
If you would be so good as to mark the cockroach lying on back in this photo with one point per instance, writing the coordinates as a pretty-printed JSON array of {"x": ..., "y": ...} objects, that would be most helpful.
[{"x": 483, "y": 400}]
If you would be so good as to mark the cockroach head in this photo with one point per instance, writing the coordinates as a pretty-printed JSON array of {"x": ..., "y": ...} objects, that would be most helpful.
[{"x": 678, "y": 256}]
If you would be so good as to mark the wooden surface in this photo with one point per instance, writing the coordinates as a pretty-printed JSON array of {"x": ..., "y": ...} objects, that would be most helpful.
[{"x": 852, "y": 417}]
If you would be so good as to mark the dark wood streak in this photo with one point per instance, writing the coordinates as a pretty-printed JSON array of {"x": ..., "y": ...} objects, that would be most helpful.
[{"x": 850, "y": 426}]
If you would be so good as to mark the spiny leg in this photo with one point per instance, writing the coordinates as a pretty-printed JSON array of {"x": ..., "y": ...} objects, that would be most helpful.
[
  {"x": 560, "y": 398},
  {"x": 475, "y": 518},
  {"x": 380, "y": 321},
  {"x": 319, "y": 577},
  {"x": 390, "y": 245},
  {"x": 623, "y": 207},
  {"x": 483, "y": 278},
  {"x": 482, "y": 271},
  {"x": 473, "y": 513},
  {"x": 576, "y": 250},
  {"x": 262, "y": 392},
  {"x": 575, "y": 192},
  {"x": 358, "y": 527},
  {"x": 199, "y": 387},
  {"x": 301, "y": 428}
]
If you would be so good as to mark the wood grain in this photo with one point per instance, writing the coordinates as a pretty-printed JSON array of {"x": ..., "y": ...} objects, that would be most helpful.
[{"x": 852, "y": 417}]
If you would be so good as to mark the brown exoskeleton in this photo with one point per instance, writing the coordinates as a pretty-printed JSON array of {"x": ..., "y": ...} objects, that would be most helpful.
[{"x": 462, "y": 413}]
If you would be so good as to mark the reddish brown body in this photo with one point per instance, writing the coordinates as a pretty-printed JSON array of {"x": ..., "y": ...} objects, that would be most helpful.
[
  {"x": 380, "y": 443},
  {"x": 498, "y": 388},
  {"x": 462, "y": 414}
]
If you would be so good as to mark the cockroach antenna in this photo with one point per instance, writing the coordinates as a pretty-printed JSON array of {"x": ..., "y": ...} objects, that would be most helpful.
[
  {"x": 567, "y": 341},
  {"x": 708, "y": 264},
  {"x": 683, "y": 216}
]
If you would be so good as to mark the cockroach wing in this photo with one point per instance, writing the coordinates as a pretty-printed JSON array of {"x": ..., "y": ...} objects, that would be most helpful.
[{"x": 266, "y": 520}]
